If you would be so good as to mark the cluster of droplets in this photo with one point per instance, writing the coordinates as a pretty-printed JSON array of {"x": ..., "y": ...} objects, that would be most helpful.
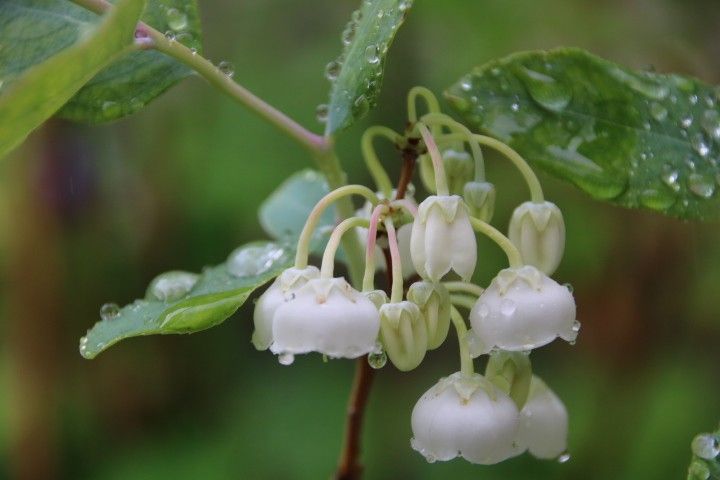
[
  {"x": 378, "y": 26},
  {"x": 674, "y": 164},
  {"x": 482, "y": 418},
  {"x": 245, "y": 263}
]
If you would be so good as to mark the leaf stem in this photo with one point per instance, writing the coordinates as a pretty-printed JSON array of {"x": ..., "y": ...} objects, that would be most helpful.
[{"x": 513, "y": 254}]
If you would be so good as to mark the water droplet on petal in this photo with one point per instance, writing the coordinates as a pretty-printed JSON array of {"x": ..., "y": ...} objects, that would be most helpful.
[
  {"x": 371, "y": 54},
  {"x": 286, "y": 359},
  {"x": 109, "y": 311},
  {"x": 706, "y": 446},
  {"x": 569, "y": 287},
  {"x": 176, "y": 19},
  {"x": 507, "y": 307},
  {"x": 377, "y": 359},
  {"x": 565, "y": 457},
  {"x": 226, "y": 68},
  {"x": 576, "y": 326}
]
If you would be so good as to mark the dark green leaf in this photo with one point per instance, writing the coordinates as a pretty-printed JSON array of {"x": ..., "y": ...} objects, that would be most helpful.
[
  {"x": 283, "y": 214},
  {"x": 179, "y": 302},
  {"x": 357, "y": 74},
  {"x": 129, "y": 84},
  {"x": 705, "y": 463},
  {"x": 638, "y": 139},
  {"x": 34, "y": 94}
]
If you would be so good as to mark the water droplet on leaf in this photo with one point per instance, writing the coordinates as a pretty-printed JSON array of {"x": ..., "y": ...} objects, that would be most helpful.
[
  {"x": 171, "y": 286},
  {"x": 321, "y": 112},
  {"x": 332, "y": 70},
  {"x": 546, "y": 91},
  {"x": 251, "y": 260},
  {"x": 176, "y": 19},
  {"x": 701, "y": 185},
  {"x": 371, "y": 54},
  {"x": 109, "y": 311},
  {"x": 658, "y": 112}
]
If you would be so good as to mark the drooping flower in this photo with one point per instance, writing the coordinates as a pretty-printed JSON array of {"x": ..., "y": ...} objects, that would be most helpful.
[
  {"x": 403, "y": 333},
  {"x": 280, "y": 291},
  {"x": 433, "y": 300},
  {"x": 467, "y": 416},
  {"x": 522, "y": 309},
  {"x": 537, "y": 229},
  {"x": 543, "y": 422},
  {"x": 327, "y": 316},
  {"x": 443, "y": 238}
]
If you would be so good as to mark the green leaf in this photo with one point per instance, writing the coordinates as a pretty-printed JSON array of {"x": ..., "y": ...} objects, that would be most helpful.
[
  {"x": 38, "y": 92},
  {"x": 283, "y": 213},
  {"x": 181, "y": 302},
  {"x": 31, "y": 31},
  {"x": 637, "y": 139},
  {"x": 705, "y": 463},
  {"x": 129, "y": 84},
  {"x": 357, "y": 74}
]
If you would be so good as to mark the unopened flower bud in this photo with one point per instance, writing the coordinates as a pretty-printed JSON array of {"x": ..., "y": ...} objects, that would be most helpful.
[
  {"x": 522, "y": 309},
  {"x": 458, "y": 165},
  {"x": 538, "y": 231},
  {"x": 480, "y": 198},
  {"x": 403, "y": 333},
  {"x": 377, "y": 297},
  {"x": 433, "y": 300},
  {"x": 443, "y": 238},
  {"x": 327, "y": 316},
  {"x": 543, "y": 423},
  {"x": 466, "y": 416},
  {"x": 280, "y": 291}
]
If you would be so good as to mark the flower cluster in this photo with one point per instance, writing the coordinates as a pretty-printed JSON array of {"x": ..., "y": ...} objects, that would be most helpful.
[{"x": 482, "y": 418}]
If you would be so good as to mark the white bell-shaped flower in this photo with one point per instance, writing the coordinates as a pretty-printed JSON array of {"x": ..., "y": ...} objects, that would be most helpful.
[
  {"x": 538, "y": 231},
  {"x": 433, "y": 300},
  {"x": 327, "y": 316},
  {"x": 403, "y": 333},
  {"x": 443, "y": 238},
  {"x": 279, "y": 292},
  {"x": 466, "y": 416},
  {"x": 543, "y": 423},
  {"x": 522, "y": 309}
]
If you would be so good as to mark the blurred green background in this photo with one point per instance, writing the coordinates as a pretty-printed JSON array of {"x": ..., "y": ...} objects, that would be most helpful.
[{"x": 91, "y": 214}]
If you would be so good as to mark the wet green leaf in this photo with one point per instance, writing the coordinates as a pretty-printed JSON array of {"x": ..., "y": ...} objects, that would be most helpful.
[
  {"x": 637, "y": 139},
  {"x": 129, "y": 84},
  {"x": 181, "y": 302},
  {"x": 34, "y": 94},
  {"x": 356, "y": 75},
  {"x": 285, "y": 211},
  {"x": 32, "y": 31}
]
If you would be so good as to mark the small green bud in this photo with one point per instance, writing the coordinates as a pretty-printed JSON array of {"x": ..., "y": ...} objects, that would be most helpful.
[
  {"x": 459, "y": 168},
  {"x": 480, "y": 197},
  {"x": 403, "y": 333},
  {"x": 433, "y": 300}
]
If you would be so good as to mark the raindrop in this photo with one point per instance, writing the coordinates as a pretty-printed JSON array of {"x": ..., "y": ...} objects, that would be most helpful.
[
  {"x": 109, "y": 311},
  {"x": 546, "y": 91},
  {"x": 321, "y": 112},
  {"x": 576, "y": 326},
  {"x": 694, "y": 99},
  {"x": 251, "y": 260},
  {"x": 466, "y": 84},
  {"x": 194, "y": 51},
  {"x": 700, "y": 145},
  {"x": 658, "y": 199},
  {"x": 226, "y": 68},
  {"x": 176, "y": 19},
  {"x": 170, "y": 35},
  {"x": 332, "y": 70},
  {"x": 569, "y": 287},
  {"x": 405, "y": 5},
  {"x": 706, "y": 446},
  {"x": 371, "y": 55},
  {"x": 111, "y": 109},
  {"x": 171, "y": 286},
  {"x": 686, "y": 122},
  {"x": 483, "y": 310},
  {"x": 515, "y": 107},
  {"x": 507, "y": 307},
  {"x": 286, "y": 359},
  {"x": 670, "y": 178},
  {"x": 711, "y": 124},
  {"x": 360, "y": 106},
  {"x": 658, "y": 112},
  {"x": 701, "y": 185},
  {"x": 564, "y": 458},
  {"x": 377, "y": 359},
  {"x": 348, "y": 34}
]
